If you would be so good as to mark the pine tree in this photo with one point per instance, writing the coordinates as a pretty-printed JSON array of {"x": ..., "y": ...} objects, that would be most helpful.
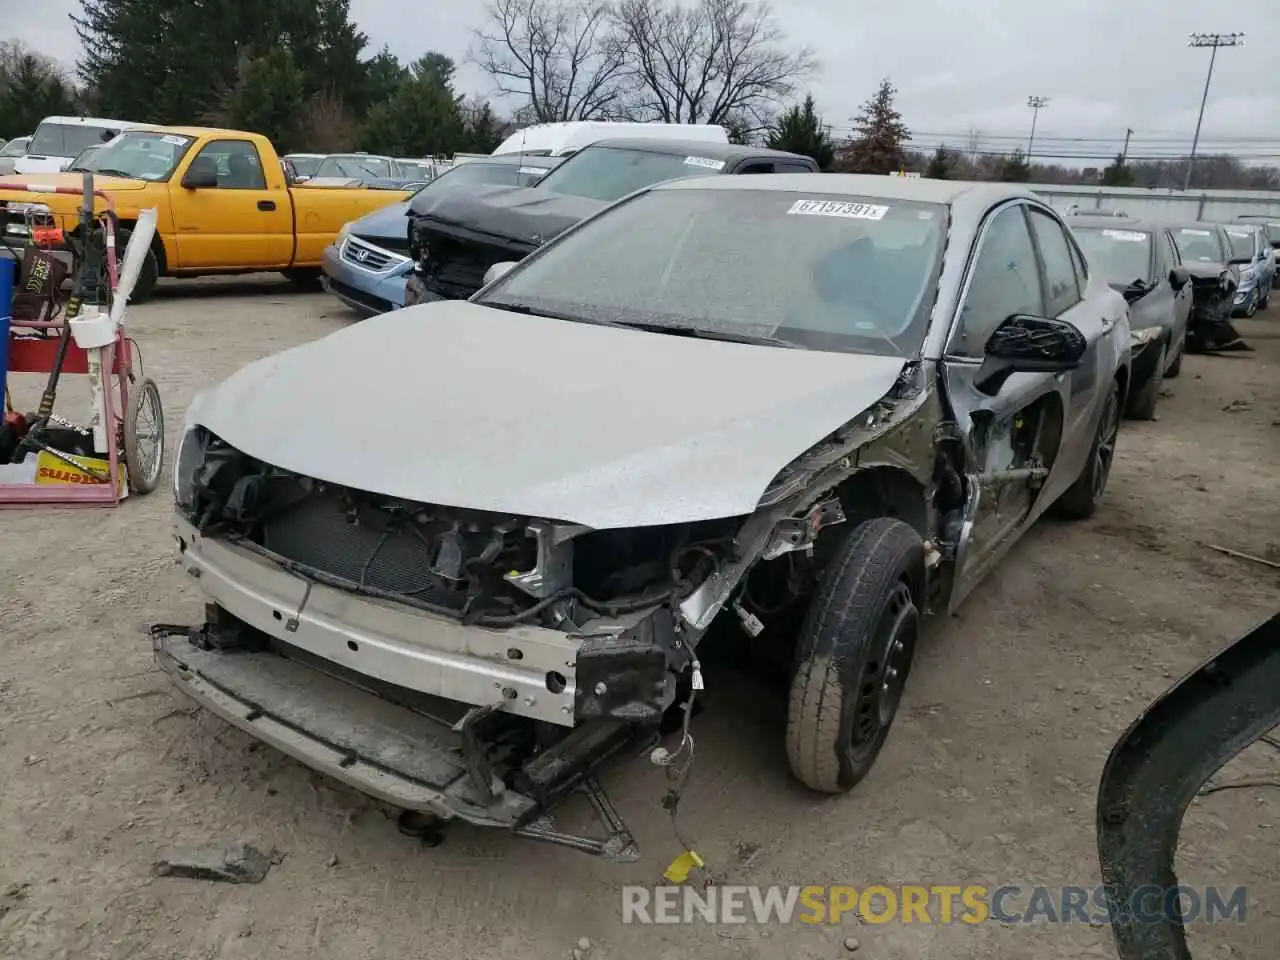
[
  {"x": 175, "y": 61},
  {"x": 1118, "y": 174},
  {"x": 31, "y": 88},
  {"x": 1014, "y": 168},
  {"x": 800, "y": 130},
  {"x": 939, "y": 165},
  {"x": 880, "y": 136}
]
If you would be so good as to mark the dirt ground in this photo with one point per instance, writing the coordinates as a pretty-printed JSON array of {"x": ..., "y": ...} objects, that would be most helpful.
[{"x": 989, "y": 776}]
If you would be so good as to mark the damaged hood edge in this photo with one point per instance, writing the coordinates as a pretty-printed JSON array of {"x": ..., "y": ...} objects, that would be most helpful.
[{"x": 472, "y": 407}]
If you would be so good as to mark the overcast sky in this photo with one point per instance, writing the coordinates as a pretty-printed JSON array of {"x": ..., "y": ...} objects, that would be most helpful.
[{"x": 1106, "y": 65}]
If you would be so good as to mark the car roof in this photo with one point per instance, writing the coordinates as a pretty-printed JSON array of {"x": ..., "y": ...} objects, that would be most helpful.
[
  {"x": 1194, "y": 225},
  {"x": 710, "y": 149},
  {"x": 919, "y": 189},
  {"x": 1114, "y": 223},
  {"x": 519, "y": 160}
]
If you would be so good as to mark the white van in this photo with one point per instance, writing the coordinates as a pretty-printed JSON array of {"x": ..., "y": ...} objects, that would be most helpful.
[
  {"x": 570, "y": 136},
  {"x": 59, "y": 140}
]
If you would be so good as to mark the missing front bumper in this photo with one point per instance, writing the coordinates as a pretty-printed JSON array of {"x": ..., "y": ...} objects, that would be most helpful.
[{"x": 397, "y": 754}]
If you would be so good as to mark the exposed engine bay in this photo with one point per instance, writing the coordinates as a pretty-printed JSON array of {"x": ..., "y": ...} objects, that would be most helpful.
[{"x": 1213, "y": 289}]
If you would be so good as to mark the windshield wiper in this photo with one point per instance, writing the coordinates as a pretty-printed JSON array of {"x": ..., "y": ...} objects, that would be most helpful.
[
  {"x": 110, "y": 172},
  {"x": 524, "y": 308},
  {"x": 728, "y": 336}
]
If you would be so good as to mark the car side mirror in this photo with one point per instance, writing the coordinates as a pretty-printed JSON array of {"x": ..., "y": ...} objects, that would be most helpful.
[
  {"x": 498, "y": 271},
  {"x": 1179, "y": 277},
  {"x": 200, "y": 179},
  {"x": 1029, "y": 344}
]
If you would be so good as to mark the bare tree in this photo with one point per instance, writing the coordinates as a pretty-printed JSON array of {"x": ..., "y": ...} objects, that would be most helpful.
[
  {"x": 559, "y": 55},
  {"x": 713, "y": 62}
]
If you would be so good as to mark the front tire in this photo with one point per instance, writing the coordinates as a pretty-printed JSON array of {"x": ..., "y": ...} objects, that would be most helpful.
[
  {"x": 1082, "y": 498},
  {"x": 853, "y": 656},
  {"x": 148, "y": 276},
  {"x": 304, "y": 278},
  {"x": 1175, "y": 368}
]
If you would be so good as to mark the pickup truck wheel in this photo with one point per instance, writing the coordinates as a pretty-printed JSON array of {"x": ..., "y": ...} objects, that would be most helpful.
[
  {"x": 1082, "y": 498},
  {"x": 1142, "y": 405},
  {"x": 853, "y": 656},
  {"x": 303, "y": 279},
  {"x": 148, "y": 276}
]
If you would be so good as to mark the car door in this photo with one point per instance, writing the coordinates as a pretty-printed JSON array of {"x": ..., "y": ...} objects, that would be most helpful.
[
  {"x": 1068, "y": 296},
  {"x": 1182, "y": 299},
  {"x": 241, "y": 222},
  {"x": 1010, "y": 435}
]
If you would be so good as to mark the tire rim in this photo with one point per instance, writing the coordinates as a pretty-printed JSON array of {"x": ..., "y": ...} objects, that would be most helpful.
[
  {"x": 885, "y": 671},
  {"x": 1105, "y": 451},
  {"x": 148, "y": 428}
]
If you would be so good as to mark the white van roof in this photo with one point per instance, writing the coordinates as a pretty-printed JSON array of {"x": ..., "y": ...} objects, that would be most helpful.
[
  {"x": 99, "y": 122},
  {"x": 559, "y": 139}
]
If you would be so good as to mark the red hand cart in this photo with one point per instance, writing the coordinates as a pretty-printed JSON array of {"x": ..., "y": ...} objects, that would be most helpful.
[{"x": 134, "y": 446}]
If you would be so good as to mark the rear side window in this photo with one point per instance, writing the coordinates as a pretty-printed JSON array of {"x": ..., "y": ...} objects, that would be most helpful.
[
  {"x": 1063, "y": 290},
  {"x": 610, "y": 173},
  {"x": 66, "y": 139},
  {"x": 792, "y": 166}
]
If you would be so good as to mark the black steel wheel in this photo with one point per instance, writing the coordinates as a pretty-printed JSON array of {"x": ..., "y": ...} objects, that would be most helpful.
[
  {"x": 1082, "y": 498},
  {"x": 853, "y": 656}
]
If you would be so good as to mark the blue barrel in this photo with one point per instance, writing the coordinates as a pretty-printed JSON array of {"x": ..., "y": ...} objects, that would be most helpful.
[{"x": 7, "y": 269}]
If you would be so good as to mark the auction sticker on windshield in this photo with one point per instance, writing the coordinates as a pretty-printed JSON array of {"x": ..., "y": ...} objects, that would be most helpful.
[
  {"x": 174, "y": 140},
  {"x": 1128, "y": 236},
  {"x": 838, "y": 208},
  {"x": 706, "y": 162}
]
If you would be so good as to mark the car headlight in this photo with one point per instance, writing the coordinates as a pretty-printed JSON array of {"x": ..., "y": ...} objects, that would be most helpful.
[
  {"x": 1143, "y": 337},
  {"x": 190, "y": 456},
  {"x": 1246, "y": 273},
  {"x": 343, "y": 233}
]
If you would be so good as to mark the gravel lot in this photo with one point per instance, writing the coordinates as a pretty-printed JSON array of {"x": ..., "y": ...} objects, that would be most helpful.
[{"x": 989, "y": 776}]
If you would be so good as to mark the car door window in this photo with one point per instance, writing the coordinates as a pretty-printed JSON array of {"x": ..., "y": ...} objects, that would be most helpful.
[
  {"x": 792, "y": 166},
  {"x": 758, "y": 166},
  {"x": 1004, "y": 280},
  {"x": 235, "y": 163},
  {"x": 1062, "y": 290}
]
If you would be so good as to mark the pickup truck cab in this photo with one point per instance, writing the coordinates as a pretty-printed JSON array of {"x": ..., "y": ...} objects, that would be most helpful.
[{"x": 222, "y": 200}]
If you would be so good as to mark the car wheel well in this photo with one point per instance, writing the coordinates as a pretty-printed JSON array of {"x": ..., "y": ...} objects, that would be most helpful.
[
  {"x": 157, "y": 245},
  {"x": 886, "y": 491}
]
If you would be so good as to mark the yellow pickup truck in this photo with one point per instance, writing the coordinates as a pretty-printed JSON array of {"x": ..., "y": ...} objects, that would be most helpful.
[{"x": 223, "y": 202}]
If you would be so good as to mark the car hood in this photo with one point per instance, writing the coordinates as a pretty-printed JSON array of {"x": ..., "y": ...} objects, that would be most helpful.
[
  {"x": 463, "y": 405},
  {"x": 528, "y": 215},
  {"x": 386, "y": 223},
  {"x": 75, "y": 181}
]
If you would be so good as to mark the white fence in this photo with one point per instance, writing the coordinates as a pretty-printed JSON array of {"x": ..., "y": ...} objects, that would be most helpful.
[{"x": 1161, "y": 203}]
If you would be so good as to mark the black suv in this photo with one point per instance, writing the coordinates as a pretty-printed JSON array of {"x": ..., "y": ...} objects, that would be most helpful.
[{"x": 455, "y": 236}]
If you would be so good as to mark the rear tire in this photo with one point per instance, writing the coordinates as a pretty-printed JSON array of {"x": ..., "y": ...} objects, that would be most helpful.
[
  {"x": 1142, "y": 405},
  {"x": 304, "y": 278},
  {"x": 1082, "y": 498},
  {"x": 1175, "y": 368},
  {"x": 853, "y": 656}
]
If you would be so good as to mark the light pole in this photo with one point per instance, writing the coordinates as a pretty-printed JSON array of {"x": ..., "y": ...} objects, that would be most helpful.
[
  {"x": 1213, "y": 41},
  {"x": 1036, "y": 104}
]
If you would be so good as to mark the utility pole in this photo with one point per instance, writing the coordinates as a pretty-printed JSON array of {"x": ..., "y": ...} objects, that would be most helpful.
[
  {"x": 1036, "y": 104},
  {"x": 1124, "y": 154},
  {"x": 1213, "y": 41}
]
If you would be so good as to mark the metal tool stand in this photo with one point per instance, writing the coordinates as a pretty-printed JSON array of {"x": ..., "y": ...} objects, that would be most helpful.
[{"x": 125, "y": 394}]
